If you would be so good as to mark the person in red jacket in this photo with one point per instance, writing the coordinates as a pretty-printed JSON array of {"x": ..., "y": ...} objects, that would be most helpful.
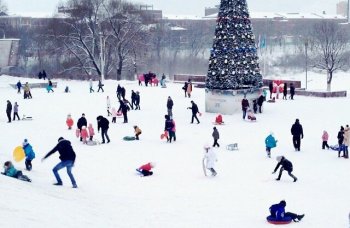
[
  {"x": 69, "y": 121},
  {"x": 145, "y": 170}
]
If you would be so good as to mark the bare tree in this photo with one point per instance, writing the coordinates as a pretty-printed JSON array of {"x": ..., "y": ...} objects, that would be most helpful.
[{"x": 330, "y": 42}]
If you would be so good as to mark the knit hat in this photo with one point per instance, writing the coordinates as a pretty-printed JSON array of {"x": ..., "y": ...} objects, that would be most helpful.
[
  {"x": 279, "y": 158},
  {"x": 60, "y": 138},
  {"x": 25, "y": 142}
]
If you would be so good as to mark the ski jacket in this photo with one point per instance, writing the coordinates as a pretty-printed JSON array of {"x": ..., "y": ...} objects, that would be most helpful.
[
  {"x": 292, "y": 89},
  {"x": 81, "y": 122},
  {"x": 69, "y": 122},
  {"x": 297, "y": 130},
  {"x": 168, "y": 125},
  {"x": 277, "y": 211},
  {"x": 174, "y": 126},
  {"x": 65, "y": 150},
  {"x": 11, "y": 171},
  {"x": 189, "y": 87},
  {"x": 15, "y": 107},
  {"x": 270, "y": 142},
  {"x": 19, "y": 85},
  {"x": 91, "y": 130},
  {"x": 325, "y": 136},
  {"x": 245, "y": 104},
  {"x": 194, "y": 108},
  {"x": 28, "y": 150},
  {"x": 340, "y": 137},
  {"x": 170, "y": 104},
  {"x": 102, "y": 123},
  {"x": 84, "y": 133},
  {"x": 216, "y": 134},
  {"x": 138, "y": 130},
  {"x": 9, "y": 107},
  {"x": 210, "y": 157},
  {"x": 147, "y": 167},
  {"x": 286, "y": 165},
  {"x": 261, "y": 100}
]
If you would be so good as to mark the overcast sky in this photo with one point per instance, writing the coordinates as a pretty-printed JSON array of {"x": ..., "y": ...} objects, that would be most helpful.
[{"x": 187, "y": 7}]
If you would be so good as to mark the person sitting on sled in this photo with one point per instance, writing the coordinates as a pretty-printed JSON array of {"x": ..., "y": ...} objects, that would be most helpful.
[
  {"x": 218, "y": 119},
  {"x": 145, "y": 169}
]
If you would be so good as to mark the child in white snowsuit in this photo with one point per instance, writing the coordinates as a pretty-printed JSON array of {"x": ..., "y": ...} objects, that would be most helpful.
[{"x": 210, "y": 157}]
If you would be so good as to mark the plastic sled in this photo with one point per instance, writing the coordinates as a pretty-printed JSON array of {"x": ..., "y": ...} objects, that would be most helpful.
[
  {"x": 27, "y": 117},
  {"x": 233, "y": 146},
  {"x": 284, "y": 221},
  {"x": 222, "y": 123},
  {"x": 129, "y": 138},
  {"x": 119, "y": 114},
  {"x": 18, "y": 154},
  {"x": 336, "y": 147},
  {"x": 164, "y": 135}
]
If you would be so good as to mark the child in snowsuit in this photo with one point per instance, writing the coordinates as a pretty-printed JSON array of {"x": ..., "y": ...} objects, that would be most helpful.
[
  {"x": 69, "y": 121},
  {"x": 137, "y": 132},
  {"x": 145, "y": 170},
  {"x": 270, "y": 143},
  {"x": 277, "y": 212},
  {"x": 286, "y": 165},
  {"x": 218, "y": 119},
  {"x": 30, "y": 155},
  {"x": 91, "y": 132},
  {"x": 325, "y": 140},
  {"x": 11, "y": 171},
  {"x": 84, "y": 134},
  {"x": 210, "y": 158}
]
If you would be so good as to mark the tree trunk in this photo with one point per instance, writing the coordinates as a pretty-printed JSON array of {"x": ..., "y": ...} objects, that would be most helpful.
[
  {"x": 120, "y": 68},
  {"x": 329, "y": 81}
]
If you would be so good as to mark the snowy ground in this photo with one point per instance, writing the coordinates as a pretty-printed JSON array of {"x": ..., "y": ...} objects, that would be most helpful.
[{"x": 110, "y": 194}]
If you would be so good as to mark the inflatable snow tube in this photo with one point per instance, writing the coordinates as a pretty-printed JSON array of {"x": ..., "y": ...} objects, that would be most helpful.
[
  {"x": 283, "y": 221},
  {"x": 129, "y": 138}
]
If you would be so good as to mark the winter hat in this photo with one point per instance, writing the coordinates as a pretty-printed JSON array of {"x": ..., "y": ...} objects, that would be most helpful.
[
  {"x": 60, "y": 138},
  {"x": 25, "y": 142},
  {"x": 83, "y": 127},
  {"x": 279, "y": 158}
]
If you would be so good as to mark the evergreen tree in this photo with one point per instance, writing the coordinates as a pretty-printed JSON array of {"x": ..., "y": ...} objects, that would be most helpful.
[{"x": 233, "y": 62}]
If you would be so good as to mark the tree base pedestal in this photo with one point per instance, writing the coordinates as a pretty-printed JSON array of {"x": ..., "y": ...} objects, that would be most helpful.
[{"x": 229, "y": 102}]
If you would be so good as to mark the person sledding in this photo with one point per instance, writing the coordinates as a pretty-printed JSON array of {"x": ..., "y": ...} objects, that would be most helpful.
[
  {"x": 219, "y": 120},
  {"x": 279, "y": 216},
  {"x": 285, "y": 165},
  {"x": 11, "y": 171},
  {"x": 251, "y": 115},
  {"x": 145, "y": 170}
]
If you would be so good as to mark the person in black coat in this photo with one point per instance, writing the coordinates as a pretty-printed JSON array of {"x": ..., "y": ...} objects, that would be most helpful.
[
  {"x": 44, "y": 75},
  {"x": 185, "y": 88},
  {"x": 124, "y": 108},
  {"x": 340, "y": 137},
  {"x": 297, "y": 132},
  {"x": 122, "y": 92},
  {"x": 216, "y": 137},
  {"x": 194, "y": 112},
  {"x": 260, "y": 102},
  {"x": 103, "y": 124},
  {"x": 271, "y": 89},
  {"x": 245, "y": 106},
  {"x": 285, "y": 91},
  {"x": 81, "y": 122},
  {"x": 169, "y": 125},
  {"x": 137, "y": 100},
  {"x": 119, "y": 91},
  {"x": 67, "y": 156},
  {"x": 169, "y": 105},
  {"x": 133, "y": 96},
  {"x": 8, "y": 111},
  {"x": 19, "y": 86},
  {"x": 100, "y": 86},
  {"x": 292, "y": 91},
  {"x": 286, "y": 165}
]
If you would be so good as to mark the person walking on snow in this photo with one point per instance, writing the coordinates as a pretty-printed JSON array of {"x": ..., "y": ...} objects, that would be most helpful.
[
  {"x": 8, "y": 111},
  {"x": 169, "y": 125},
  {"x": 169, "y": 105},
  {"x": 19, "y": 86},
  {"x": 69, "y": 121},
  {"x": 103, "y": 124},
  {"x": 194, "y": 112},
  {"x": 67, "y": 157},
  {"x": 346, "y": 141},
  {"x": 285, "y": 165},
  {"x": 124, "y": 108},
  {"x": 210, "y": 157},
  {"x": 29, "y": 152},
  {"x": 81, "y": 122},
  {"x": 133, "y": 98},
  {"x": 270, "y": 143},
  {"x": 108, "y": 106},
  {"x": 325, "y": 140},
  {"x": 245, "y": 106},
  {"x": 189, "y": 88},
  {"x": 292, "y": 91},
  {"x": 100, "y": 86},
  {"x": 216, "y": 137},
  {"x": 15, "y": 111},
  {"x": 91, "y": 85},
  {"x": 277, "y": 211},
  {"x": 298, "y": 134},
  {"x": 271, "y": 89},
  {"x": 137, "y": 100},
  {"x": 340, "y": 137},
  {"x": 285, "y": 91}
]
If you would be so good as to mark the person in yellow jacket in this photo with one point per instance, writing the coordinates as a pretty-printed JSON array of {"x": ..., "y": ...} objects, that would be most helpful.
[{"x": 137, "y": 132}]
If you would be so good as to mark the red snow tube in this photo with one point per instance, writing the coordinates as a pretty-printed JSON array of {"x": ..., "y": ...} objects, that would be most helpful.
[{"x": 284, "y": 221}]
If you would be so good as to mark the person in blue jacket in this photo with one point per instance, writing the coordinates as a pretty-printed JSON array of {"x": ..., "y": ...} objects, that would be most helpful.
[
  {"x": 11, "y": 171},
  {"x": 30, "y": 155},
  {"x": 278, "y": 213},
  {"x": 270, "y": 143},
  {"x": 67, "y": 157}
]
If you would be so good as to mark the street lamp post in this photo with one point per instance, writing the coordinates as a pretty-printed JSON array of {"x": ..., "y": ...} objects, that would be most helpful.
[
  {"x": 102, "y": 57},
  {"x": 306, "y": 61}
]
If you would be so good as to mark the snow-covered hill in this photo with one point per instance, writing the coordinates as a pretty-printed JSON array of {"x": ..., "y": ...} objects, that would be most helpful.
[{"x": 110, "y": 194}]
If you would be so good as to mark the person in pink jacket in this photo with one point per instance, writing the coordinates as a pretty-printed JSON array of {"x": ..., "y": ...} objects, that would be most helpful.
[
  {"x": 84, "y": 134},
  {"x": 325, "y": 140},
  {"x": 91, "y": 132}
]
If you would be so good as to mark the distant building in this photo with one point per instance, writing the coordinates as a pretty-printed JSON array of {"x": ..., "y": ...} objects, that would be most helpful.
[{"x": 342, "y": 8}]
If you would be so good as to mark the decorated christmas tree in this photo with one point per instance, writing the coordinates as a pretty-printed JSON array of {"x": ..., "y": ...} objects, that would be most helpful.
[{"x": 233, "y": 62}]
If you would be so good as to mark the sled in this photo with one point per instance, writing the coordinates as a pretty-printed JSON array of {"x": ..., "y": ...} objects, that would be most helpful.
[
  {"x": 27, "y": 117},
  {"x": 222, "y": 123},
  {"x": 233, "y": 146},
  {"x": 119, "y": 114},
  {"x": 204, "y": 167},
  {"x": 93, "y": 143},
  {"x": 18, "y": 154},
  {"x": 284, "y": 221},
  {"x": 164, "y": 135},
  {"x": 129, "y": 138}
]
